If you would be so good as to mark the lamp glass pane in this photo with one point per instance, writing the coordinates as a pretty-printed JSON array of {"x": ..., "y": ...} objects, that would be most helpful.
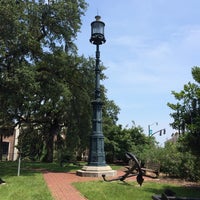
[{"x": 97, "y": 27}]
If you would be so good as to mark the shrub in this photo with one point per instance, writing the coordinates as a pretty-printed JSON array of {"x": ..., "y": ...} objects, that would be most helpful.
[{"x": 179, "y": 163}]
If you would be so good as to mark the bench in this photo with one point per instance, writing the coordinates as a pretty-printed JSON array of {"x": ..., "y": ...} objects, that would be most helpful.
[{"x": 151, "y": 167}]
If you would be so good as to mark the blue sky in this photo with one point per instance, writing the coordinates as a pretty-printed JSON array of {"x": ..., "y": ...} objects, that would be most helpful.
[{"x": 151, "y": 46}]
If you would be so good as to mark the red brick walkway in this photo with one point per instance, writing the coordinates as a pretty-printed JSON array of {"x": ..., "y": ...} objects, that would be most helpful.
[
  {"x": 61, "y": 188},
  {"x": 60, "y": 185}
]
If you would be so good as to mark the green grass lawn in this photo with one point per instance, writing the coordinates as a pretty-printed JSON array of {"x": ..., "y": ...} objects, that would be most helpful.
[
  {"x": 25, "y": 187},
  {"x": 30, "y": 185},
  {"x": 100, "y": 190}
]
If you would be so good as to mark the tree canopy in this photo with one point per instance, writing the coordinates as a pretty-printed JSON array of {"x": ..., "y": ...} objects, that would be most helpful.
[
  {"x": 186, "y": 113},
  {"x": 39, "y": 65}
]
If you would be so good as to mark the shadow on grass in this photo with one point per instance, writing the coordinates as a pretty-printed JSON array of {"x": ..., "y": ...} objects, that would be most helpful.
[
  {"x": 27, "y": 168},
  {"x": 181, "y": 191},
  {"x": 159, "y": 188}
]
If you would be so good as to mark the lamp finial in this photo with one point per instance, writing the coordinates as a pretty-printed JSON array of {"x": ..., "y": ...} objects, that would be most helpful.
[{"x": 98, "y": 17}]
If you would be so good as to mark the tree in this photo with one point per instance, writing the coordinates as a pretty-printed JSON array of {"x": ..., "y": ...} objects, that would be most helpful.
[
  {"x": 187, "y": 113},
  {"x": 36, "y": 44},
  {"x": 119, "y": 140}
]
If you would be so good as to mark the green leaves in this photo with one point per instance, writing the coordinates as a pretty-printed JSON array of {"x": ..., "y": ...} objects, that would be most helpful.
[
  {"x": 37, "y": 58},
  {"x": 196, "y": 74},
  {"x": 186, "y": 112}
]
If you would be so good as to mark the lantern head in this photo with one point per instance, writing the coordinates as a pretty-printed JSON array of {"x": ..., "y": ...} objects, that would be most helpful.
[{"x": 97, "y": 31}]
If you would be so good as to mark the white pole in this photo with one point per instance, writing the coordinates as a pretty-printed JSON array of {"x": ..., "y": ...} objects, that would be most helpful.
[{"x": 19, "y": 165}]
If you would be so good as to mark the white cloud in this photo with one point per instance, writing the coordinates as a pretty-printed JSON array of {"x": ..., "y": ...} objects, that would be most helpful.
[{"x": 138, "y": 60}]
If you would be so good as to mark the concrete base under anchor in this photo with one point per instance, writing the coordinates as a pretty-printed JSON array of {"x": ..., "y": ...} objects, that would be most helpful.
[{"x": 96, "y": 171}]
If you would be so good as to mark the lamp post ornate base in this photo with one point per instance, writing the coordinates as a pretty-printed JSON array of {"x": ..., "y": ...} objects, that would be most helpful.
[
  {"x": 96, "y": 171},
  {"x": 96, "y": 164}
]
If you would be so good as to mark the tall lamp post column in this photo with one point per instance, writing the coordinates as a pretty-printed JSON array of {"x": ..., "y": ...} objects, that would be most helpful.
[
  {"x": 96, "y": 162},
  {"x": 97, "y": 154}
]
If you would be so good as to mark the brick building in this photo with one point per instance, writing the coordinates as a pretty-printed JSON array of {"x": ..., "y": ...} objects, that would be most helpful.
[{"x": 9, "y": 146}]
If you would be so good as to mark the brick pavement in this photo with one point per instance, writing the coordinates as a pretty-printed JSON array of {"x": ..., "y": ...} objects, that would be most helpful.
[{"x": 60, "y": 184}]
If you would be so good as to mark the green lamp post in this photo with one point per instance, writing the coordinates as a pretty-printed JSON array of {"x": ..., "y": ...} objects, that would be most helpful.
[
  {"x": 97, "y": 166},
  {"x": 96, "y": 153}
]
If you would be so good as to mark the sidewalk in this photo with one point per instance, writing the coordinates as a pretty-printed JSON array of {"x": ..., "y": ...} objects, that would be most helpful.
[{"x": 60, "y": 184}]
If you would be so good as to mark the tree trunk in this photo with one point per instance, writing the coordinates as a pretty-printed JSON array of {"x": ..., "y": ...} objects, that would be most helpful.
[
  {"x": 1, "y": 146},
  {"x": 50, "y": 142},
  {"x": 49, "y": 148}
]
